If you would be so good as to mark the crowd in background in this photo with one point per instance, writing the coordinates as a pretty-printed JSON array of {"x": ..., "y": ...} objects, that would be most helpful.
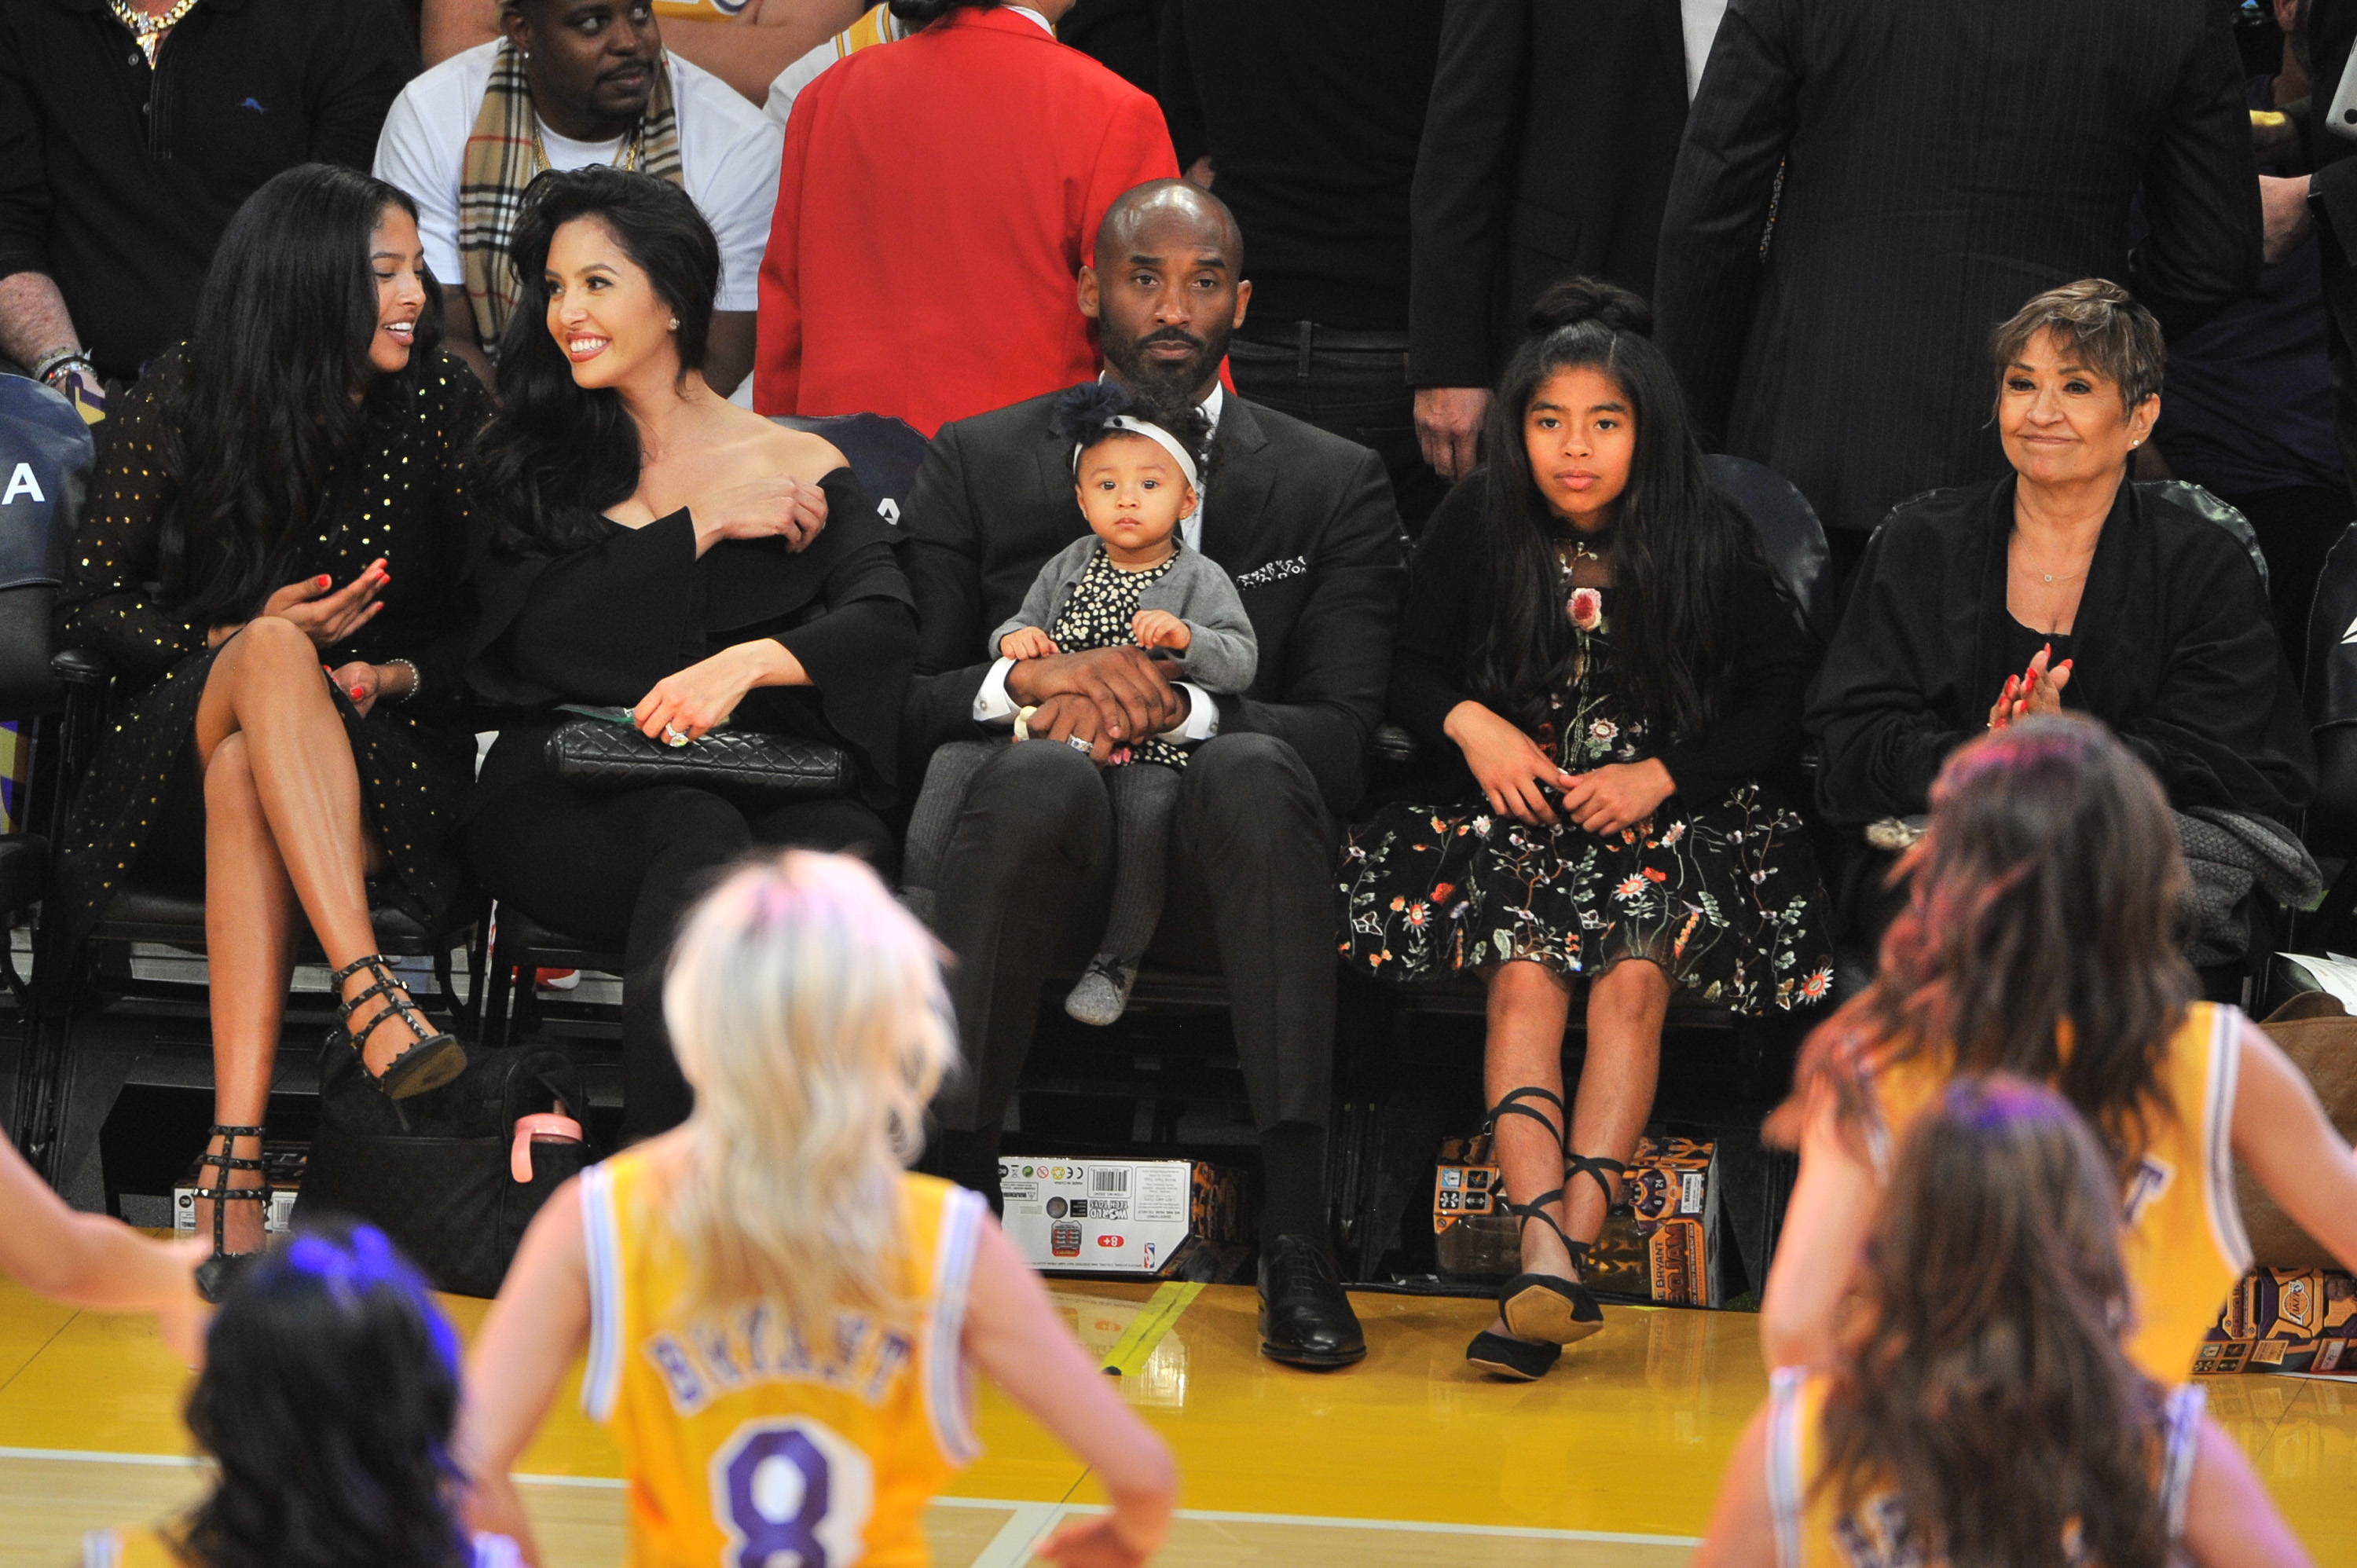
[{"x": 1577, "y": 300}]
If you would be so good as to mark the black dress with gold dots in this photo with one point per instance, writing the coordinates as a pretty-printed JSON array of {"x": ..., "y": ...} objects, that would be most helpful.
[{"x": 400, "y": 496}]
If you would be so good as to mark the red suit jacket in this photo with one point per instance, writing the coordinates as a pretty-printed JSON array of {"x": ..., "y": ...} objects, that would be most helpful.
[{"x": 939, "y": 198}]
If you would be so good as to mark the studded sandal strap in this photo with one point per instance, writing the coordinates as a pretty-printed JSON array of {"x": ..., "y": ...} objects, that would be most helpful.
[
  {"x": 381, "y": 988},
  {"x": 375, "y": 962}
]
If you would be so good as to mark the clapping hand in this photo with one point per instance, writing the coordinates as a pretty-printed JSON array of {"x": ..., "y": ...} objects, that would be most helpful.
[{"x": 2036, "y": 691}]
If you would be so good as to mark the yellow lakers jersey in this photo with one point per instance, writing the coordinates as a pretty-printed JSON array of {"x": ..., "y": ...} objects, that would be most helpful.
[
  {"x": 147, "y": 1547},
  {"x": 1814, "y": 1531},
  {"x": 2184, "y": 1246},
  {"x": 748, "y": 1444}
]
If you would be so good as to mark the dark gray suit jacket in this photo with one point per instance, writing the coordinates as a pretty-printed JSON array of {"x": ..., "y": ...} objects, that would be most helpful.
[
  {"x": 1940, "y": 163},
  {"x": 1303, "y": 520},
  {"x": 1547, "y": 150}
]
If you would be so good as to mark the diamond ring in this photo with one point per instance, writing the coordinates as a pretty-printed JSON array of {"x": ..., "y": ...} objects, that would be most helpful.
[
  {"x": 673, "y": 736},
  {"x": 1077, "y": 743}
]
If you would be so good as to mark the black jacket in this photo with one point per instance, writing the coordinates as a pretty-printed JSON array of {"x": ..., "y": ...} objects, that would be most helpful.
[
  {"x": 1303, "y": 520},
  {"x": 117, "y": 181},
  {"x": 1547, "y": 148},
  {"x": 2173, "y": 647},
  {"x": 1313, "y": 127},
  {"x": 1450, "y": 610},
  {"x": 1939, "y": 164}
]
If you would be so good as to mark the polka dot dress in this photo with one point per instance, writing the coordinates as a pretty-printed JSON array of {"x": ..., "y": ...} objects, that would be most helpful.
[
  {"x": 400, "y": 496},
  {"x": 1097, "y": 613}
]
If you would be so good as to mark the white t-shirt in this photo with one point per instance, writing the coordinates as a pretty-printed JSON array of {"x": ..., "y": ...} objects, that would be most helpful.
[{"x": 729, "y": 150}]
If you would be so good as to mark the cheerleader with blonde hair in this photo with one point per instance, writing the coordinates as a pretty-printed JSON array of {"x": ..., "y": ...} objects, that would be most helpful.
[{"x": 781, "y": 1320}]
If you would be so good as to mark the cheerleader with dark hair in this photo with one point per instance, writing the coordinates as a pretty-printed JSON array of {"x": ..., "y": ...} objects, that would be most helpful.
[
  {"x": 328, "y": 1398},
  {"x": 1139, "y": 468}
]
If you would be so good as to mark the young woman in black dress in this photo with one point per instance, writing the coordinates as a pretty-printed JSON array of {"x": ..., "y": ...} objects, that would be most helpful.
[
  {"x": 660, "y": 549},
  {"x": 273, "y": 559},
  {"x": 1595, "y": 630}
]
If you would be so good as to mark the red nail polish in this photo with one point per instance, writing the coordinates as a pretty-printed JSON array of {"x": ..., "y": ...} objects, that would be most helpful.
[{"x": 325, "y": 579}]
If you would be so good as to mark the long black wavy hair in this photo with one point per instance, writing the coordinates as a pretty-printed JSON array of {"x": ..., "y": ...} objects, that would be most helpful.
[
  {"x": 328, "y": 1395},
  {"x": 281, "y": 344},
  {"x": 560, "y": 453},
  {"x": 1676, "y": 543},
  {"x": 1985, "y": 1381}
]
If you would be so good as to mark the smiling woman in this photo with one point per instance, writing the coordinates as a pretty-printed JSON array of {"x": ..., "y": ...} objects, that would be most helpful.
[
  {"x": 260, "y": 488},
  {"x": 659, "y": 551},
  {"x": 2062, "y": 586}
]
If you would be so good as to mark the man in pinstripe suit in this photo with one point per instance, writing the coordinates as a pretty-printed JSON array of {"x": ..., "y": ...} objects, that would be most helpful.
[{"x": 1867, "y": 189}]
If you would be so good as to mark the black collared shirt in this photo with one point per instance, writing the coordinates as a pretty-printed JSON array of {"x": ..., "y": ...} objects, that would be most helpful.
[{"x": 116, "y": 180}]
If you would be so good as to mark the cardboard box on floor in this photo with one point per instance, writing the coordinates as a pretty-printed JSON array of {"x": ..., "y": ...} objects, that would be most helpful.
[
  {"x": 1660, "y": 1243},
  {"x": 1149, "y": 1217},
  {"x": 282, "y": 1167},
  {"x": 2285, "y": 1320}
]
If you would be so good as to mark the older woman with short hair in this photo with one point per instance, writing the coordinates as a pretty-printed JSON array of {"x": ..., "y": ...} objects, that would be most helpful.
[{"x": 2062, "y": 588}]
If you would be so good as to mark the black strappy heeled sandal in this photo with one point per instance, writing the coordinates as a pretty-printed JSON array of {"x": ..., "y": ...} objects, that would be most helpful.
[
  {"x": 432, "y": 1059},
  {"x": 1548, "y": 1307},
  {"x": 214, "y": 1274}
]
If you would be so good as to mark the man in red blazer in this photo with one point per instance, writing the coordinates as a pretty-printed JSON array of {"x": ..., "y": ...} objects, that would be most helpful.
[{"x": 938, "y": 199}]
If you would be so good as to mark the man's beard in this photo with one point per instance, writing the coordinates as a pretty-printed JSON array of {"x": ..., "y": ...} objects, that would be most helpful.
[{"x": 1184, "y": 376}]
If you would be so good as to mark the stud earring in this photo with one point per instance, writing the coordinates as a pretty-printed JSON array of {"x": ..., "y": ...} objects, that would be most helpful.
[{"x": 674, "y": 323}]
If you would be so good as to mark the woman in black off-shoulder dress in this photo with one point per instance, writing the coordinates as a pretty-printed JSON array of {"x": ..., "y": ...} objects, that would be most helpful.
[
  {"x": 659, "y": 551},
  {"x": 273, "y": 559}
]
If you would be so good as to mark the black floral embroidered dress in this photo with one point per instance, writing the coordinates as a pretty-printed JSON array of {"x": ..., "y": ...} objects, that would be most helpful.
[
  {"x": 1719, "y": 887},
  {"x": 403, "y": 498}
]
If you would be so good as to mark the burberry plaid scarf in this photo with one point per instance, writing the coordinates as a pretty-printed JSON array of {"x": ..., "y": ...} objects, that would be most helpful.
[{"x": 504, "y": 156}]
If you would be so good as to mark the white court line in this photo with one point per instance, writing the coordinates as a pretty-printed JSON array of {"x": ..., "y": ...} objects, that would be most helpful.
[{"x": 1032, "y": 1520}]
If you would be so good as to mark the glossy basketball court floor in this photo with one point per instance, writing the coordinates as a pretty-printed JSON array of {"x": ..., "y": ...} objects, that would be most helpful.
[{"x": 1613, "y": 1459}]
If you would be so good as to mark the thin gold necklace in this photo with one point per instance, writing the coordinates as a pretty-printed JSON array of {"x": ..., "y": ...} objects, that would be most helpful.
[{"x": 147, "y": 31}]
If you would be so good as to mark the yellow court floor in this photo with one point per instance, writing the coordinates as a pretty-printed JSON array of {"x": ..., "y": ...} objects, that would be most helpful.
[{"x": 1613, "y": 1459}]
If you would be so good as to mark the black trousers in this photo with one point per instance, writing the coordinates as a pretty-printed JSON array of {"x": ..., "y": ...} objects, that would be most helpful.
[
  {"x": 620, "y": 871},
  {"x": 1353, "y": 384},
  {"x": 1024, "y": 884}
]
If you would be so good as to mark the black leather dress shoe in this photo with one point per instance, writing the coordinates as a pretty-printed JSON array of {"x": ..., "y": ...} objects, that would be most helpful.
[{"x": 1305, "y": 1319}]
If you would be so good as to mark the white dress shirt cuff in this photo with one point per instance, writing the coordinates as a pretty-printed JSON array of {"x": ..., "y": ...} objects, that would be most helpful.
[
  {"x": 992, "y": 705},
  {"x": 1202, "y": 721}
]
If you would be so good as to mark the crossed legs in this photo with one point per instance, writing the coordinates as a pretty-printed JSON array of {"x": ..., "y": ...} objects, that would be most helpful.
[
  {"x": 283, "y": 833},
  {"x": 1528, "y": 1006}
]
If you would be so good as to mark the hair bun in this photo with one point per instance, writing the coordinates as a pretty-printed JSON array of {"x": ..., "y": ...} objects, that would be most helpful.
[
  {"x": 1575, "y": 300},
  {"x": 1086, "y": 409}
]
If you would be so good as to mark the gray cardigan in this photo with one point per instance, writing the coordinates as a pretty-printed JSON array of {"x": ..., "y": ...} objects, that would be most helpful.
[{"x": 1223, "y": 653}]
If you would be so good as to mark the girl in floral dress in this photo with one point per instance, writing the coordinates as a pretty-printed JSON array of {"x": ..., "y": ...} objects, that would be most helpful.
[{"x": 1595, "y": 630}]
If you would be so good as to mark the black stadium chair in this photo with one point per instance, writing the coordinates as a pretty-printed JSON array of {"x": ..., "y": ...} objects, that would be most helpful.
[
  {"x": 46, "y": 456},
  {"x": 883, "y": 451},
  {"x": 2331, "y": 827}
]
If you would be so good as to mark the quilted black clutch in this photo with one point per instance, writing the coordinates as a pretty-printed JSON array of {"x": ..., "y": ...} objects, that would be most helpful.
[{"x": 604, "y": 756}]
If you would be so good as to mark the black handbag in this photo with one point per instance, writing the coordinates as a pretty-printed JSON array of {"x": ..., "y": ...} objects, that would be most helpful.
[
  {"x": 598, "y": 756},
  {"x": 439, "y": 1173}
]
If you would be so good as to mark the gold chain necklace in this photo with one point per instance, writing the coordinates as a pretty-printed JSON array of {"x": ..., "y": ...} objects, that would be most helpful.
[{"x": 148, "y": 31}]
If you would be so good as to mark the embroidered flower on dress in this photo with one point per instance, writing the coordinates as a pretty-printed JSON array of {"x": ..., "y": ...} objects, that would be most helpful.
[
  {"x": 1586, "y": 608},
  {"x": 1820, "y": 980},
  {"x": 1633, "y": 888},
  {"x": 1604, "y": 730}
]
